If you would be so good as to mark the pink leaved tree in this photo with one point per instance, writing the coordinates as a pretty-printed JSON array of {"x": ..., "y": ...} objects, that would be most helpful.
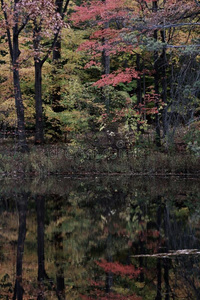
[{"x": 16, "y": 15}]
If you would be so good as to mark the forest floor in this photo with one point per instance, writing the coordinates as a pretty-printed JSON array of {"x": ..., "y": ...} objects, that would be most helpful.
[{"x": 72, "y": 159}]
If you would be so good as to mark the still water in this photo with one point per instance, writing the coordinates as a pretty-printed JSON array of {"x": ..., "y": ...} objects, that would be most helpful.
[{"x": 100, "y": 238}]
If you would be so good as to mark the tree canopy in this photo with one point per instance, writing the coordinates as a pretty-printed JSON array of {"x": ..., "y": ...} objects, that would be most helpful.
[{"x": 99, "y": 65}]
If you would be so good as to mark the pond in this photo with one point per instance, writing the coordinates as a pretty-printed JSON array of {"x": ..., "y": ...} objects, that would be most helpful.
[{"x": 100, "y": 238}]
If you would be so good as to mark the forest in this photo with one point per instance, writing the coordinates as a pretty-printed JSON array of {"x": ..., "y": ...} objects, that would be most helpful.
[
  {"x": 101, "y": 83},
  {"x": 99, "y": 149}
]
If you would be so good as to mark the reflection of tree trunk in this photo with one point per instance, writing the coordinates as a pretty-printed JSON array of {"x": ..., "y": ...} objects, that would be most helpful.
[
  {"x": 141, "y": 250},
  {"x": 58, "y": 238},
  {"x": 60, "y": 283},
  {"x": 40, "y": 236},
  {"x": 166, "y": 260},
  {"x": 166, "y": 277},
  {"x": 22, "y": 209},
  {"x": 40, "y": 207},
  {"x": 109, "y": 278},
  {"x": 60, "y": 280},
  {"x": 109, "y": 275},
  {"x": 159, "y": 280},
  {"x": 159, "y": 265},
  {"x": 141, "y": 262}
]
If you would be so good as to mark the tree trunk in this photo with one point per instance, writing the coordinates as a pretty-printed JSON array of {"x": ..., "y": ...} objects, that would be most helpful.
[
  {"x": 139, "y": 88},
  {"x": 56, "y": 93},
  {"x": 39, "y": 134},
  {"x": 106, "y": 61},
  {"x": 22, "y": 143},
  {"x": 164, "y": 85},
  {"x": 56, "y": 96},
  {"x": 106, "y": 69},
  {"x": 156, "y": 82},
  {"x": 139, "y": 82}
]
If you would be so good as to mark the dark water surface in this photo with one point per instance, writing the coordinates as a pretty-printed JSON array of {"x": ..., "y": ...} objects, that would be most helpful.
[{"x": 100, "y": 238}]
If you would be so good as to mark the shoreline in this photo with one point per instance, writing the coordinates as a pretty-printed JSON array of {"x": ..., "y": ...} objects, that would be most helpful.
[{"x": 70, "y": 160}]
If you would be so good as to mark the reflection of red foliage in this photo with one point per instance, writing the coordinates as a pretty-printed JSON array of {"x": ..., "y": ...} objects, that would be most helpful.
[
  {"x": 119, "y": 269},
  {"x": 151, "y": 238},
  {"x": 144, "y": 235},
  {"x": 98, "y": 292},
  {"x": 111, "y": 296},
  {"x": 95, "y": 283}
]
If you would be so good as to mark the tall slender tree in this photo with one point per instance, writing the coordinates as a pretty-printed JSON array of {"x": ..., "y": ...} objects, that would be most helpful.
[
  {"x": 14, "y": 22},
  {"x": 47, "y": 24},
  {"x": 156, "y": 79},
  {"x": 56, "y": 93}
]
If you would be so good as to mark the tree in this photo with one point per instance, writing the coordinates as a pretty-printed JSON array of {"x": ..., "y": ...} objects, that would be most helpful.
[
  {"x": 47, "y": 24},
  {"x": 156, "y": 78},
  {"x": 14, "y": 22},
  {"x": 56, "y": 97},
  {"x": 140, "y": 26}
]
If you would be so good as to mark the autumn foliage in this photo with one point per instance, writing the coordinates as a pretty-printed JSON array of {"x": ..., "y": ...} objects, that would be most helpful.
[
  {"x": 120, "y": 63},
  {"x": 120, "y": 25},
  {"x": 119, "y": 269}
]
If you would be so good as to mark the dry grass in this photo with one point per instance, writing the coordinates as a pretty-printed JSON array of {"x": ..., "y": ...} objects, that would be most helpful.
[{"x": 64, "y": 159}]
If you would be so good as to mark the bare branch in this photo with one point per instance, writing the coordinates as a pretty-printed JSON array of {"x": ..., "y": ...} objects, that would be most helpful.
[
  {"x": 23, "y": 24},
  {"x": 174, "y": 25},
  {"x": 65, "y": 9},
  {"x": 181, "y": 46},
  {"x": 197, "y": 2},
  {"x": 52, "y": 46}
]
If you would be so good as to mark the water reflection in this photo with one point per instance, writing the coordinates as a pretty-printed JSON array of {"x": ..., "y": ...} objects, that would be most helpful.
[
  {"x": 103, "y": 238},
  {"x": 21, "y": 200}
]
